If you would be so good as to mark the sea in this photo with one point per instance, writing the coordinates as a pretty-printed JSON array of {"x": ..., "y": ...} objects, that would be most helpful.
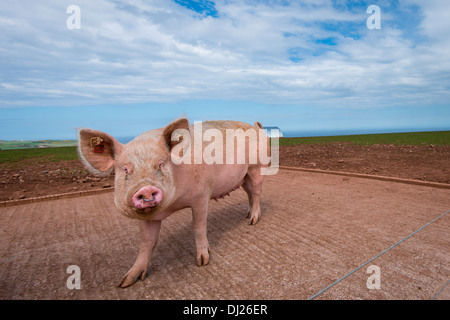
[{"x": 347, "y": 132}]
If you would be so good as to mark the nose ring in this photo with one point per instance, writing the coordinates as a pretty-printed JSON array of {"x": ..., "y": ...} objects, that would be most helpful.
[{"x": 148, "y": 200}]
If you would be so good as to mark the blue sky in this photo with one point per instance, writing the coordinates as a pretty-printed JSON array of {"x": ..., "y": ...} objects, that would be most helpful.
[{"x": 308, "y": 65}]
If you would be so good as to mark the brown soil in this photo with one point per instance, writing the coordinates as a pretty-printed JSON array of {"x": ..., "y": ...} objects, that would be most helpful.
[
  {"x": 30, "y": 178},
  {"x": 427, "y": 163}
]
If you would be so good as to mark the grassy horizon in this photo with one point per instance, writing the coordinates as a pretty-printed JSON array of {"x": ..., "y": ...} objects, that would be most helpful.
[
  {"x": 59, "y": 153},
  {"x": 27, "y": 144},
  {"x": 404, "y": 138},
  {"x": 43, "y": 155}
]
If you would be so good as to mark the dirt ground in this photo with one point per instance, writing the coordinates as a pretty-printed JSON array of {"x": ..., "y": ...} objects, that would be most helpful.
[
  {"x": 427, "y": 163},
  {"x": 315, "y": 228},
  {"x": 29, "y": 178}
]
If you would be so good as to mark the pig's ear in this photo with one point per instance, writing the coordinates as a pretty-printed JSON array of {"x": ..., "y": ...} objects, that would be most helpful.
[
  {"x": 174, "y": 132},
  {"x": 97, "y": 150}
]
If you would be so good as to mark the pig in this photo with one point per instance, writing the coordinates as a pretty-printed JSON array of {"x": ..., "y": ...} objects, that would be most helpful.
[{"x": 149, "y": 186}]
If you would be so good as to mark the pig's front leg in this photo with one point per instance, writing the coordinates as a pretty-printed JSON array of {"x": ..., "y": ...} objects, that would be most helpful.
[
  {"x": 199, "y": 217},
  {"x": 149, "y": 237}
]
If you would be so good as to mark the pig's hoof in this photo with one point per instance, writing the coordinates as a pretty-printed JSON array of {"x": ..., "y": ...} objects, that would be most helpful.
[
  {"x": 131, "y": 277},
  {"x": 254, "y": 219},
  {"x": 203, "y": 258}
]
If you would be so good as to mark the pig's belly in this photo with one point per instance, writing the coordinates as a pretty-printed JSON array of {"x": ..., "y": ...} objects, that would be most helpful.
[{"x": 227, "y": 178}]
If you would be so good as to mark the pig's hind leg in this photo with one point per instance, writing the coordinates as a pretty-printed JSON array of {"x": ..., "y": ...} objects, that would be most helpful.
[
  {"x": 253, "y": 186},
  {"x": 247, "y": 186}
]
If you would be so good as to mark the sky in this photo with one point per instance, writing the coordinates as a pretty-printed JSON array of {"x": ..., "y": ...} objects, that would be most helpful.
[{"x": 312, "y": 66}]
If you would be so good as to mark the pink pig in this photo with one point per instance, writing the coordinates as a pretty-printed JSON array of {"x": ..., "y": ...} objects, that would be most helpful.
[{"x": 149, "y": 186}]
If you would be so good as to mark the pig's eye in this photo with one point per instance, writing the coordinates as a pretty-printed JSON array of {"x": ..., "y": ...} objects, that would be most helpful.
[
  {"x": 161, "y": 164},
  {"x": 125, "y": 169}
]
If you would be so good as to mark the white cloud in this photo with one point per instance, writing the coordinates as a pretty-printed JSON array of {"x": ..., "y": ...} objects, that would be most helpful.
[{"x": 142, "y": 51}]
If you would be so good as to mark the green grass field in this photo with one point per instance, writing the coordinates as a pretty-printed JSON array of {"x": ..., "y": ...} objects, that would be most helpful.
[
  {"x": 409, "y": 138},
  {"x": 41, "y": 154},
  {"x": 70, "y": 152},
  {"x": 16, "y": 144}
]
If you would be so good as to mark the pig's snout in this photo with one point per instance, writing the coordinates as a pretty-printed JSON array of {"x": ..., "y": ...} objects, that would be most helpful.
[{"x": 147, "y": 197}]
